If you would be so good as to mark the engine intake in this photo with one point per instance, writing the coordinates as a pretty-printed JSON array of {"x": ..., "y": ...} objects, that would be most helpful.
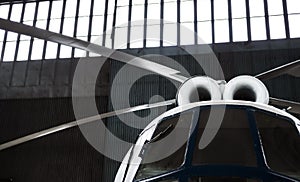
[
  {"x": 198, "y": 89},
  {"x": 246, "y": 88}
]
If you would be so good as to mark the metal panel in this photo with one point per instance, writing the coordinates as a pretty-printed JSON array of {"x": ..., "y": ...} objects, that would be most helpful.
[
  {"x": 33, "y": 73},
  {"x": 18, "y": 76}
]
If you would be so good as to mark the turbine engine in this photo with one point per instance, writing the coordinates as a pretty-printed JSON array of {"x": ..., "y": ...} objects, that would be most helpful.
[
  {"x": 246, "y": 88},
  {"x": 203, "y": 88},
  {"x": 197, "y": 89}
]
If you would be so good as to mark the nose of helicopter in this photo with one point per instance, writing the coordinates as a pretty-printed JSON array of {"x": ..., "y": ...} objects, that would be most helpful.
[{"x": 250, "y": 144}]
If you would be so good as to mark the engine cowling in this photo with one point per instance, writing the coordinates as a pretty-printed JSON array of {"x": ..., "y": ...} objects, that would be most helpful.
[
  {"x": 246, "y": 88},
  {"x": 197, "y": 89}
]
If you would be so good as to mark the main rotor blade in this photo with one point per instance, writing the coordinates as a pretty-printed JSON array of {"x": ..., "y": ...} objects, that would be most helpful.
[
  {"x": 90, "y": 47},
  {"x": 288, "y": 68},
  {"x": 290, "y": 106},
  {"x": 81, "y": 122}
]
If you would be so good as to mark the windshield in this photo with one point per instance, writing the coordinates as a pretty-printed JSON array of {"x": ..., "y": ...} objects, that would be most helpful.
[
  {"x": 233, "y": 143},
  {"x": 281, "y": 143},
  {"x": 176, "y": 159}
]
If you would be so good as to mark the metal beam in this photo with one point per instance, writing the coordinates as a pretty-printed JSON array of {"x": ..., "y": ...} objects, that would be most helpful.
[
  {"x": 248, "y": 20},
  {"x": 267, "y": 19}
]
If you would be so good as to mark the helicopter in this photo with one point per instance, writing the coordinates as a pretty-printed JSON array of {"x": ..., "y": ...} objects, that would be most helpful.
[
  {"x": 251, "y": 141},
  {"x": 254, "y": 141}
]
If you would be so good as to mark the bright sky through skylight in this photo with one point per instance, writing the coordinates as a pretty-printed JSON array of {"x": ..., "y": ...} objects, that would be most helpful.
[{"x": 79, "y": 26}]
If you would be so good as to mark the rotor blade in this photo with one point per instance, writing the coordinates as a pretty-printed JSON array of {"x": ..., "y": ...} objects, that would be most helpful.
[
  {"x": 90, "y": 47},
  {"x": 295, "y": 71},
  {"x": 288, "y": 68},
  {"x": 81, "y": 122},
  {"x": 290, "y": 106}
]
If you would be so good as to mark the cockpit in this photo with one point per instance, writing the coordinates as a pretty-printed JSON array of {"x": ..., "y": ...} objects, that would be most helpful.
[{"x": 249, "y": 144}]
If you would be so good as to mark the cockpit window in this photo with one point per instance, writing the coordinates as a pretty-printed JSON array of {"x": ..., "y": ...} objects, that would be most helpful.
[
  {"x": 232, "y": 144},
  {"x": 176, "y": 159},
  {"x": 281, "y": 144}
]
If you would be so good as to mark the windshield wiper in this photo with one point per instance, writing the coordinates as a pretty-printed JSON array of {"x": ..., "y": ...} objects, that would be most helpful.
[
  {"x": 155, "y": 138},
  {"x": 145, "y": 146},
  {"x": 160, "y": 134},
  {"x": 131, "y": 152}
]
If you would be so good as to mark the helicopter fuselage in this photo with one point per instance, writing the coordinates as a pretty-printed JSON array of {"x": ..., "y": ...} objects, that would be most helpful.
[{"x": 226, "y": 140}]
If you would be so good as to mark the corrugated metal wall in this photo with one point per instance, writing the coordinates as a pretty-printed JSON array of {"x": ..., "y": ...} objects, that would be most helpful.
[{"x": 64, "y": 156}]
